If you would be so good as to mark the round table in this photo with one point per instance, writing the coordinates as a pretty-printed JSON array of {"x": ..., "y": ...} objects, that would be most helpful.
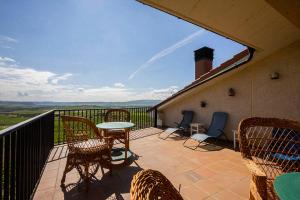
[
  {"x": 287, "y": 186},
  {"x": 115, "y": 125},
  {"x": 124, "y": 152}
]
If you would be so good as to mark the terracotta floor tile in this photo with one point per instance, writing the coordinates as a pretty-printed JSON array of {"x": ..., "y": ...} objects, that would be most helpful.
[
  {"x": 241, "y": 188},
  {"x": 52, "y": 165},
  {"x": 205, "y": 172},
  {"x": 46, "y": 194},
  {"x": 209, "y": 186},
  {"x": 50, "y": 174},
  {"x": 225, "y": 195},
  {"x": 181, "y": 180},
  {"x": 192, "y": 176},
  {"x": 192, "y": 192}
]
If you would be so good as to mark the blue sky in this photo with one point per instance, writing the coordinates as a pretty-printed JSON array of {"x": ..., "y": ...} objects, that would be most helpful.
[{"x": 97, "y": 50}]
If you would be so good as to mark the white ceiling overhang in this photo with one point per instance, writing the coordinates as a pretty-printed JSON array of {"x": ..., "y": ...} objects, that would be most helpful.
[{"x": 266, "y": 26}]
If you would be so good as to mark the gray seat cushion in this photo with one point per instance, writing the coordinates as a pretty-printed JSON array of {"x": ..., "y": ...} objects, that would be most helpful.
[{"x": 200, "y": 137}]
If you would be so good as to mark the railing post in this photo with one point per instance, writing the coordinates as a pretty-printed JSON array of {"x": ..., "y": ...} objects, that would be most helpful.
[{"x": 155, "y": 117}]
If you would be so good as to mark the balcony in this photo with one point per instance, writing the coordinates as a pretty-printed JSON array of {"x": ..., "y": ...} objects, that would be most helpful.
[
  {"x": 34, "y": 156},
  {"x": 201, "y": 174}
]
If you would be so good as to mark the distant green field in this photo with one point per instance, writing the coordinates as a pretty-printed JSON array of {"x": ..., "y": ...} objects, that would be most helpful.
[
  {"x": 11, "y": 118},
  {"x": 139, "y": 117}
]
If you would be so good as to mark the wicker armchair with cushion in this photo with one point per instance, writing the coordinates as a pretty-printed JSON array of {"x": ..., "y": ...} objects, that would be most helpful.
[
  {"x": 269, "y": 147},
  {"x": 152, "y": 185},
  {"x": 88, "y": 150}
]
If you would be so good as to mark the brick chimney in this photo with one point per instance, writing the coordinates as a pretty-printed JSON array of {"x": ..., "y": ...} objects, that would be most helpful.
[{"x": 203, "y": 61}]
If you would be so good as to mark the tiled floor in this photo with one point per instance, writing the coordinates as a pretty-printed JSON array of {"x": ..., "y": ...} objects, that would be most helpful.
[{"x": 211, "y": 172}]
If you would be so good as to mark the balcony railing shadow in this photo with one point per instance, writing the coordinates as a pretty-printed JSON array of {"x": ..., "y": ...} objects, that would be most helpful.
[{"x": 108, "y": 187}]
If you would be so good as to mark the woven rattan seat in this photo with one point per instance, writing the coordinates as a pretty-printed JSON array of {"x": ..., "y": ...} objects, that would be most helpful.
[
  {"x": 152, "y": 185},
  {"x": 90, "y": 146},
  {"x": 87, "y": 148},
  {"x": 269, "y": 147}
]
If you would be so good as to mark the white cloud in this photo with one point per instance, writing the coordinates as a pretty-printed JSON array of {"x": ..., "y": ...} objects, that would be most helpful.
[
  {"x": 80, "y": 89},
  {"x": 167, "y": 51},
  {"x": 6, "y": 42},
  {"x": 22, "y": 94},
  {"x": 6, "y": 39},
  {"x": 121, "y": 85},
  {"x": 6, "y": 60},
  {"x": 158, "y": 94},
  {"x": 29, "y": 84},
  {"x": 60, "y": 78}
]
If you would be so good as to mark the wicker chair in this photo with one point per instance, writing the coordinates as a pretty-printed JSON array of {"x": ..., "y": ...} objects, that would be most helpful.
[
  {"x": 269, "y": 147},
  {"x": 152, "y": 185},
  {"x": 117, "y": 115},
  {"x": 87, "y": 148}
]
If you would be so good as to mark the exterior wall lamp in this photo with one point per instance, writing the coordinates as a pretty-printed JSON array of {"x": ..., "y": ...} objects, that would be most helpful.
[
  {"x": 231, "y": 92},
  {"x": 203, "y": 104},
  {"x": 274, "y": 75}
]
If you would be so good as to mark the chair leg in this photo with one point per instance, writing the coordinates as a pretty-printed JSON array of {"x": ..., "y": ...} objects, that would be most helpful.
[
  {"x": 110, "y": 164},
  {"x": 191, "y": 147},
  {"x": 79, "y": 170},
  {"x": 110, "y": 171},
  {"x": 185, "y": 141},
  {"x": 164, "y": 137},
  {"x": 86, "y": 176},
  {"x": 102, "y": 170},
  {"x": 225, "y": 137}
]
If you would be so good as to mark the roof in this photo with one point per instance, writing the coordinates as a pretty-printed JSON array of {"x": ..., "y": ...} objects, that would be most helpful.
[
  {"x": 266, "y": 26},
  {"x": 236, "y": 61}
]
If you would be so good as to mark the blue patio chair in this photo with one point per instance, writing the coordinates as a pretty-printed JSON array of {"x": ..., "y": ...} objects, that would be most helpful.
[
  {"x": 288, "y": 152},
  {"x": 181, "y": 127},
  {"x": 215, "y": 130}
]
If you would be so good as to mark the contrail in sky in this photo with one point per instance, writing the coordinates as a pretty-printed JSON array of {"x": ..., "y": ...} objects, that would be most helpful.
[{"x": 167, "y": 51}]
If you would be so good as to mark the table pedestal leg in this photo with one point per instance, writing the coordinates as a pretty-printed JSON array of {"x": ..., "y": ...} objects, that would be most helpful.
[{"x": 126, "y": 142}]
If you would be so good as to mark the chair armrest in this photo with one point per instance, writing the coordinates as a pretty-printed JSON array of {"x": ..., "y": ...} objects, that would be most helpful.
[
  {"x": 258, "y": 184},
  {"x": 253, "y": 168}
]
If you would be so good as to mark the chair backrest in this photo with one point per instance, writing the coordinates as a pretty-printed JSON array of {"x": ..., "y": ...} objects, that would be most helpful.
[
  {"x": 151, "y": 184},
  {"x": 117, "y": 115},
  {"x": 273, "y": 144},
  {"x": 217, "y": 124},
  {"x": 187, "y": 119},
  {"x": 78, "y": 129}
]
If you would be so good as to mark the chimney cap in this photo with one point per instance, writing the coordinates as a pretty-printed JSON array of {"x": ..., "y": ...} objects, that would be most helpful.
[{"x": 204, "y": 53}]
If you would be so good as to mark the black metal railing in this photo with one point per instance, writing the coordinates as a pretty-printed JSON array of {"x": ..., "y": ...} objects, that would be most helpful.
[
  {"x": 138, "y": 115},
  {"x": 24, "y": 149}
]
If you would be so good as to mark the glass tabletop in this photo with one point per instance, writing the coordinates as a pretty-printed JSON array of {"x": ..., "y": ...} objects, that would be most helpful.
[
  {"x": 115, "y": 125},
  {"x": 287, "y": 186}
]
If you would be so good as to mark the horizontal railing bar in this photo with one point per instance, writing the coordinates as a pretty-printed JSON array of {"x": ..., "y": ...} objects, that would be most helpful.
[
  {"x": 104, "y": 108},
  {"x": 15, "y": 127}
]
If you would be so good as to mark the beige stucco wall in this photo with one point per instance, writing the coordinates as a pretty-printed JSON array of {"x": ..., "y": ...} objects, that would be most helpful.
[{"x": 256, "y": 93}]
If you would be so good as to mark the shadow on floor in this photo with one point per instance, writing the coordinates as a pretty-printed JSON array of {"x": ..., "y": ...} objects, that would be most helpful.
[
  {"x": 61, "y": 151},
  {"x": 107, "y": 187},
  {"x": 210, "y": 145}
]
